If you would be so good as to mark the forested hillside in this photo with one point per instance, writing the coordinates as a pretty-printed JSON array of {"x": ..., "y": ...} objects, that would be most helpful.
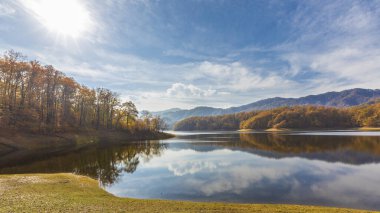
[
  {"x": 39, "y": 98},
  {"x": 298, "y": 117},
  {"x": 220, "y": 122},
  {"x": 346, "y": 98}
]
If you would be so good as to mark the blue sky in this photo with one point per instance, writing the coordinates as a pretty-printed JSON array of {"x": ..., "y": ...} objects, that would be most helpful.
[{"x": 221, "y": 53}]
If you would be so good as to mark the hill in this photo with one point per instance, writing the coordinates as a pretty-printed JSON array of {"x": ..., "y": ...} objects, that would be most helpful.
[
  {"x": 346, "y": 98},
  {"x": 296, "y": 117}
]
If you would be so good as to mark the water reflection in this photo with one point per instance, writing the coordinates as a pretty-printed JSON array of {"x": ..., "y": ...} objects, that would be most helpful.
[
  {"x": 331, "y": 148},
  {"x": 100, "y": 162},
  {"x": 352, "y": 150},
  {"x": 294, "y": 143},
  {"x": 315, "y": 169},
  {"x": 226, "y": 175}
]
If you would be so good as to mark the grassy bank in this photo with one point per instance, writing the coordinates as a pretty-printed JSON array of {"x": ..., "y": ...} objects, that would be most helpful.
[{"x": 73, "y": 193}]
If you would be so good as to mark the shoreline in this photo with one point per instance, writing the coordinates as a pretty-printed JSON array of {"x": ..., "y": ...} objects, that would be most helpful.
[
  {"x": 313, "y": 129},
  {"x": 21, "y": 146},
  {"x": 31, "y": 141},
  {"x": 69, "y": 192},
  {"x": 368, "y": 129}
]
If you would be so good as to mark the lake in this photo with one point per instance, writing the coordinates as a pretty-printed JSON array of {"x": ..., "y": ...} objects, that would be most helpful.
[{"x": 329, "y": 168}]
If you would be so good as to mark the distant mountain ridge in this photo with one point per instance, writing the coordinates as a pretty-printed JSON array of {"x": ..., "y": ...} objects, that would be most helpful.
[{"x": 346, "y": 98}]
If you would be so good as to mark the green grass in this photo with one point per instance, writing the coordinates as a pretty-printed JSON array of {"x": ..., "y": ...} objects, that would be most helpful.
[{"x": 73, "y": 193}]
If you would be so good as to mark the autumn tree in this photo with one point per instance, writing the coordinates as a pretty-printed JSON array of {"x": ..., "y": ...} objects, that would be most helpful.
[
  {"x": 40, "y": 98},
  {"x": 126, "y": 111}
]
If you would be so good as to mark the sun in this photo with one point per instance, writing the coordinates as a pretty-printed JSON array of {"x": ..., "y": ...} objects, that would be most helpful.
[{"x": 64, "y": 17}]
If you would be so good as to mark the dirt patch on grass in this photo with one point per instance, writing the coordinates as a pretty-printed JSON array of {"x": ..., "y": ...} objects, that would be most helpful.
[
  {"x": 18, "y": 181},
  {"x": 31, "y": 180},
  {"x": 3, "y": 187}
]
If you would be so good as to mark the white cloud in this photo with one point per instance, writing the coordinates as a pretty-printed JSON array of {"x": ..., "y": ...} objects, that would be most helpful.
[
  {"x": 186, "y": 91},
  {"x": 362, "y": 65},
  {"x": 331, "y": 47},
  {"x": 339, "y": 50},
  {"x": 338, "y": 67},
  {"x": 357, "y": 19},
  {"x": 184, "y": 54},
  {"x": 237, "y": 77},
  {"x": 6, "y": 10}
]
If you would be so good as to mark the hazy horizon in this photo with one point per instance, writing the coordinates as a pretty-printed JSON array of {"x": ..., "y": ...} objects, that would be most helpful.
[{"x": 183, "y": 54}]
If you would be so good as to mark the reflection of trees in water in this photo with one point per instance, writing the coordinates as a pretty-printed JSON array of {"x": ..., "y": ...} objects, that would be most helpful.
[
  {"x": 312, "y": 143},
  {"x": 108, "y": 163},
  {"x": 105, "y": 163},
  {"x": 111, "y": 162},
  {"x": 355, "y": 150}
]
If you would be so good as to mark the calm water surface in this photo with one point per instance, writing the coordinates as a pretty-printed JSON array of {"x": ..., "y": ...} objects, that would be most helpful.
[{"x": 335, "y": 168}]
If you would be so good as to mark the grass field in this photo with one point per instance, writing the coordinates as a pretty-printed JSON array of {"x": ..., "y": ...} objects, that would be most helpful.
[{"x": 73, "y": 193}]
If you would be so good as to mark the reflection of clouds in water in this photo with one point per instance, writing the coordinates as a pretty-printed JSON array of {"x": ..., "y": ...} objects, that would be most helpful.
[
  {"x": 227, "y": 170},
  {"x": 186, "y": 158},
  {"x": 362, "y": 180},
  {"x": 237, "y": 179},
  {"x": 234, "y": 171},
  {"x": 186, "y": 167},
  {"x": 238, "y": 176},
  {"x": 191, "y": 167}
]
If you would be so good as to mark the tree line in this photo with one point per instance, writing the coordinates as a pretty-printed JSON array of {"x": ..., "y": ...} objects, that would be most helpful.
[
  {"x": 218, "y": 122},
  {"x": 39, "y": 98},
  {"x": 297, "y": 117}
]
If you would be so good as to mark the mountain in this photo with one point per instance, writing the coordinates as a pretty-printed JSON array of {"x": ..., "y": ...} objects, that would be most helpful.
[
  {"x": 166, "y": 111},
  {"x": 171, "y": 117},
  {"x": 346, "y": 98}
]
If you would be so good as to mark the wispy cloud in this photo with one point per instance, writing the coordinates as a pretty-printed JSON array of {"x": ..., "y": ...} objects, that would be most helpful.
[
  {"x": 178, "y": 54},
  {"x": 6, "y": 9},
  {"x": 237, "y": 77},
  {"x": 346, "y": 48}
]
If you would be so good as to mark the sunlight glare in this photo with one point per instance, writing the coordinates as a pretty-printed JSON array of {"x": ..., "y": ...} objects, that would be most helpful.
[{"x": 64, "y": 17}]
